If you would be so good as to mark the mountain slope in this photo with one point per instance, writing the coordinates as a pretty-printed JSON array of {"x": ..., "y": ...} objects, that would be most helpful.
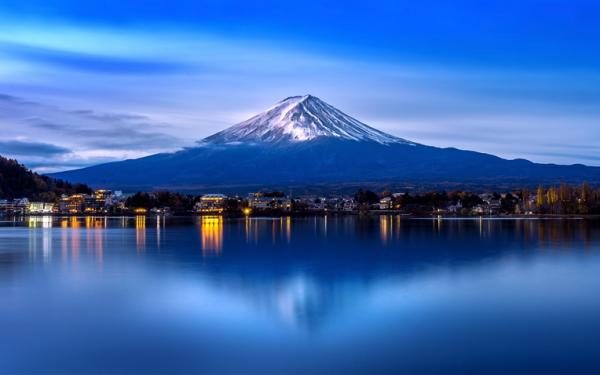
[{"x": 304, "y": 141}]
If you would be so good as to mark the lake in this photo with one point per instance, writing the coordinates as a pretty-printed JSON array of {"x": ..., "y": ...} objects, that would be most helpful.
[{"x": 340, "y": 294}]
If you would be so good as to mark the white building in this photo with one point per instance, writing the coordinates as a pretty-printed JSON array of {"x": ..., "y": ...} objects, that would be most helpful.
[
  {"x": 385, "y": 203},
  {"x": 349, "y": 205},
  {"x": 40, "y": 208},
  {"x": 211, "y": 203}
]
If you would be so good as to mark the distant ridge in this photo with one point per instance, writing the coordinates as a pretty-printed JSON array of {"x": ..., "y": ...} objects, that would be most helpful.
[{"x": 303, "y": 142}]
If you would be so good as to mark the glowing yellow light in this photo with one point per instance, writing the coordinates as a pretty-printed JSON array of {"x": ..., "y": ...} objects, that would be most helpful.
[
  {"x": 140, "y": 233},
  {"x": 247, "y": 211},
  {"x": 211, "y": 235}
]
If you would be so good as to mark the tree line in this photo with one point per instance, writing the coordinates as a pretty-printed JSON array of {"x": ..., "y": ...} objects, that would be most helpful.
[
  {"x": 567, "y": 200},
  {"x": 16, "y": 181},
  {"x": 558, "y": 200}
]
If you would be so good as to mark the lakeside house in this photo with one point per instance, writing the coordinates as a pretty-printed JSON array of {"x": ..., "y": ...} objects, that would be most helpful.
[
  {"x": 41, "y": 208},
  {"x": 262, "y": 201},
  {"x": 211, "y": 203},
  {"x": 100, "y": 202},
  {"x": 386, "y": 203},
  {"x": 16, "y": 206}
]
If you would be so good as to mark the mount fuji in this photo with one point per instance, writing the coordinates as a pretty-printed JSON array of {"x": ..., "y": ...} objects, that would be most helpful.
[
  {"x": 301, "y": 118},
  {"x": 302, "y": 143}
]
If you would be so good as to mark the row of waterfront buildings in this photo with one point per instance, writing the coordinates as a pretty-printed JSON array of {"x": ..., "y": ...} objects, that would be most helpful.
[
  {"x": 106, "y": 202},
  {"x": 488, "y": 204},
  {"x": 99, "y": 202},
  {"x": 217, "y": 203}
]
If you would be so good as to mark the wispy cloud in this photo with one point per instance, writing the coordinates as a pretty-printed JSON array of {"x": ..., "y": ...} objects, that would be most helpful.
[
  {"x": 75, "y": 138},
  {"x": 87, "y": 62},
  {"x": 117, "y": 134}
]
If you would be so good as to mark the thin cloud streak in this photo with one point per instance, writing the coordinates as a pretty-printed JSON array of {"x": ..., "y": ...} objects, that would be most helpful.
[
  {"x": 76, "y": 138},
  {"x": 88, "y": 62}
]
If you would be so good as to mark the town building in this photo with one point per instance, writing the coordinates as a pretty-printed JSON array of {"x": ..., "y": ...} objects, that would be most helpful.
[
  {"x": 258, "y": 201},
  {"x": 72, "y": 204},
  {"x": 211, "y": 203},
  {"x": 349, "y": 205},
  {"x": 40, "y": 208},
  {"x": 16, "y": 206},
  {"x": 385, "y": 203},
  {"x": 455, "y": 208}
]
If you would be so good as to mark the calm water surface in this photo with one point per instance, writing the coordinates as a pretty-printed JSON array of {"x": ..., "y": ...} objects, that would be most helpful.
[{"x": 301, "y": 295}]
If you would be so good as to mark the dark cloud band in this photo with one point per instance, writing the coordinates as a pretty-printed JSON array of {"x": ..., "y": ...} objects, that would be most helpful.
[{"x": 15, "y": 147}]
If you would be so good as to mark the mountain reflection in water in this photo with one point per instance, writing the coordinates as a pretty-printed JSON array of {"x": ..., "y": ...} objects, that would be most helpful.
[{"x": 328, "y": 280}]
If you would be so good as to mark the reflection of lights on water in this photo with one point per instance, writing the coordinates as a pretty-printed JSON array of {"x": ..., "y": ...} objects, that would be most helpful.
[
  {"x": 275, "y": 228},
  {"x": 71, "y": 237},
  {"x": 247, "y": 231},
  {"x": 140, "y": 232},
  {"x": 211, "y": 233},
  {"x": 438, "y": 223},
  {"x": 44, "y": 222},
  {"x": 64, "y": 238},
  {"x": 389, "y": 228},
  {"x": 383, "y": 228},
  {"x": 75, "y": 239},
  {"x": 40, "y": 221},
  {"x": 99, "y": 245},
  {"x": 74, "y": 222},
  {"x": 480, "y": 226},
  {"x": 47, "y": 243},
  {"x": 158, "y": 220}
]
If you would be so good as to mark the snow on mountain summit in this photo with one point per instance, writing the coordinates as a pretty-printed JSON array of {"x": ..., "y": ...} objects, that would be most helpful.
[{"x": 301, "y": 118}]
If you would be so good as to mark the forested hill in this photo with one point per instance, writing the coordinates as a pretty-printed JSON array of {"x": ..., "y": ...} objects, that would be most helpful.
[{"x": 16, "y": 181}]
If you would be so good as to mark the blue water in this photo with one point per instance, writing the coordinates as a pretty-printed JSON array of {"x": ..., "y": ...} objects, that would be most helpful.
[{"x": 299, "y": 295}]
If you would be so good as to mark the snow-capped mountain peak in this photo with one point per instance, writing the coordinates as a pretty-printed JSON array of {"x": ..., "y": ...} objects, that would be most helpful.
[{"x": 301, "y": 118}]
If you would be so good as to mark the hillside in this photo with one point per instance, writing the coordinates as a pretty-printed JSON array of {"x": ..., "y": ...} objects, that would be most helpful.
[{"x": 16, "y": 181}]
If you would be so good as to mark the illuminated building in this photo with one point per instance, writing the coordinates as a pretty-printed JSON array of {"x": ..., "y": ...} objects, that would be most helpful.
[
  {"x": 103, "y": 198},
  {"x": 97, "y": 202},
  {"x": 102, "y": 195},
  {"x": 72, "y": 204},
  {"x": 15, "y": 206},
  {"x": 211, "y": 203},
  {"x": 40, "y": 208},
  {"x": 385, "y": 203},
  {"x": 90, "y": 205},
  {"x": 258, "y": 201}
]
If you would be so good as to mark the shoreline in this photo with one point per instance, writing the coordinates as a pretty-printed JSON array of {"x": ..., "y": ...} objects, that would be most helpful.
[{"x": 315, "y": 214}]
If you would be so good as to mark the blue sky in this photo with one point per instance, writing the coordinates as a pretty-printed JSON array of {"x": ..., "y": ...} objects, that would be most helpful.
[{"x": 88, "y": 82}]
